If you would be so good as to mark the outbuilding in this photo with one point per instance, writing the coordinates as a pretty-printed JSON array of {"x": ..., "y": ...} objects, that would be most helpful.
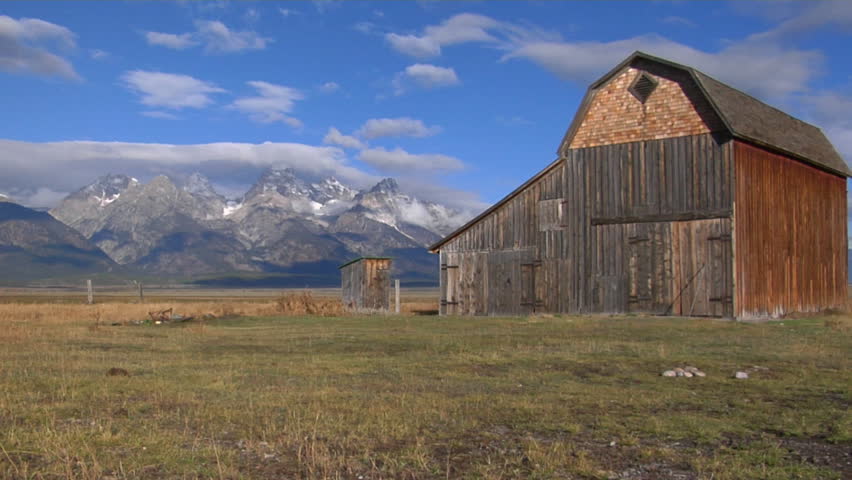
[
  {"x": 672, "y": 193},
  {"x": 365, "y": 283}
]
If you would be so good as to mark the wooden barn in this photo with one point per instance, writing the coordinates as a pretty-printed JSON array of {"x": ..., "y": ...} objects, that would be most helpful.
[
  {"x": 672, "y": 193},
  {"x": 365, "y": 283}
]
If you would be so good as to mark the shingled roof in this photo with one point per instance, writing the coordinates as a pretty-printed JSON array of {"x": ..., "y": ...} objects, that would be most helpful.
[
  {"x": 744, "y": 116},
  {"x": 755, "y": 121}
]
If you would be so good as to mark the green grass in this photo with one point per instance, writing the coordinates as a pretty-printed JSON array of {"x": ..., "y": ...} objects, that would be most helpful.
[{"x": 426, "y": 397}]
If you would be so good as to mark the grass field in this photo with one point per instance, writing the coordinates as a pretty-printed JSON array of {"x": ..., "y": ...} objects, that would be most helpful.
[{"x": 254, "y": 394}]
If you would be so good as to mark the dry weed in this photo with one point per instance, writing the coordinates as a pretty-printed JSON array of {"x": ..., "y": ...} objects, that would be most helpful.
[{"x": 305, "y": 303}]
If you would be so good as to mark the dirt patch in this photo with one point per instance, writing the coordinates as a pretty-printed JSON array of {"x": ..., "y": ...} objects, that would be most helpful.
[{"x": 837, "y": 457}]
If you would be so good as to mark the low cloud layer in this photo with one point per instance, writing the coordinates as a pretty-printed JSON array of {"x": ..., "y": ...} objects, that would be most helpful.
[
  {"x": 398, "y": 160},
  {"x": 29, "y": 169}
]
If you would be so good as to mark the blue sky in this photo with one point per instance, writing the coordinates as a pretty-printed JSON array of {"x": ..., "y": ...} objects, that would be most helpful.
[{"x": 461, "y": 101}]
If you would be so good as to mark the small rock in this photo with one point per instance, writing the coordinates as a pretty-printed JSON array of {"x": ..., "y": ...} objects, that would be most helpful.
[
  {"x": 612, "y": 443},
  {"x": 699, "y": 373},
  {"x": 680, "y": 373},
  {"x": 267, "y": 456},
  {"x": 679, "y": 370},
  {"x": 669, "y": 373},
  {"x": 687, "y": 374},
  {"x": 690, "y": 369},
  {"x": 741, "y": 375}
]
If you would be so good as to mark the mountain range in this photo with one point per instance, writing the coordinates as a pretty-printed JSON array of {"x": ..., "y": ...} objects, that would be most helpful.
[
  {"x": 283, "y": 225},
  {"x": 35, "y": 246}
]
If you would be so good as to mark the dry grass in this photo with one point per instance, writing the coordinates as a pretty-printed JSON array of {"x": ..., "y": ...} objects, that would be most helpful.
[
  {"x": 266, "y": 396},
  {"x": 305, "y": 303}
]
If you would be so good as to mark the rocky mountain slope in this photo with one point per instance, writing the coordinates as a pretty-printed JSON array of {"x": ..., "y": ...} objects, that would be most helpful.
[
  {"x": 34, "y": 245},
  {"x": 284, "y": 223}
]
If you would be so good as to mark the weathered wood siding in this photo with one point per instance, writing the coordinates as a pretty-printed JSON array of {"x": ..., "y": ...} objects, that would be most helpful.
[
  {"x": 790, "y": 235},
  {"x": 611, "y": 228},
  {"x": 365, "y": 284}
]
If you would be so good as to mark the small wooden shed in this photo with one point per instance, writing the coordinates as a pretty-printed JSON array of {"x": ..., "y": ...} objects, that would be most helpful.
[{"x": 365, "y": 283}]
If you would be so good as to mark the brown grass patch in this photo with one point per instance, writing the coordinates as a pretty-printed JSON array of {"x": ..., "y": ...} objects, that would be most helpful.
[{"x": 304, "y": 303}]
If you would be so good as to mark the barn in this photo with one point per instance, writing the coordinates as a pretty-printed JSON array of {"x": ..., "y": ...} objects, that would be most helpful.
[{"x": 672, "y": 194}]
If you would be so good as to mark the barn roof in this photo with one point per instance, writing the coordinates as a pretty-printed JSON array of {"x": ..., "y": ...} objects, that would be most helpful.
[{"x": 744, "y": 116}]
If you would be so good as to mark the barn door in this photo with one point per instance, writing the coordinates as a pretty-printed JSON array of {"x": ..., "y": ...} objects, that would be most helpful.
[
  {"x": 721, "y": 275},
  {"x": 702, "y": 264},
  {"x": 530, "y": 272},
  {"x": 648, "y": 267},
  {"x": 639, "y": 269},
  {"x": 449, "y": 283}
]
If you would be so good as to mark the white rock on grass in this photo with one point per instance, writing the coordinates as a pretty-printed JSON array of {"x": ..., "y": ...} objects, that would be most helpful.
[
  {"x": 741, "y": 375},
  {"x": 687, "y": 372}
]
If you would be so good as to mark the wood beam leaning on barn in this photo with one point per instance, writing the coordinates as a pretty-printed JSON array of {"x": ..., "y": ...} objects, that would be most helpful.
[{"x": 658, "y": 203}]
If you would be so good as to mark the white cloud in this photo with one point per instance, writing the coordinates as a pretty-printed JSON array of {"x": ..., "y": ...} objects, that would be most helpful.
[
  {"x": 763, "y": 69},
  {"x": 271, "y": 104},
  {"x": 40, "y": 197},
  {"x": 98, "y": 54},
  {"x": 214, "y": 35},
  {"x": 364, "y": 27},
  {"x": 252, "y": 15},
  {"x": 334, "y": 137},
  {"x": 396, "y": 127},
  {"x": 170, "y": 90},
  {"x": 676, "y": 20},
  {"x": 757, "y": 65},
  {"x": 813, "y": 15},
  {"x": 399, "y": 160},
  {"x": 171, "y": 40},
  {"x": 461, "y": 28},
  {"x": 218, "y": 38},
  {"x": 286, "y": 12},
  {"x": 159, "y": 114},
  {"x": 424, "y": 76},
  {"x": 25, "y": 46},
  {"x": 324, "y": 6},
  {"x": 329, "y": 87}
]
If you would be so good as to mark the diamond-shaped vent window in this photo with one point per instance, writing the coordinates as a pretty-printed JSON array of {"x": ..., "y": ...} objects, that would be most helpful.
[{"x": 643, "y": 87}]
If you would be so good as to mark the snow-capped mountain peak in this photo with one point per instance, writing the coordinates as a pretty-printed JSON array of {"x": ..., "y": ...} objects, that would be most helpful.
[
  {"x": 387, "y": 185},
  {"x": 198, "y": 184}
]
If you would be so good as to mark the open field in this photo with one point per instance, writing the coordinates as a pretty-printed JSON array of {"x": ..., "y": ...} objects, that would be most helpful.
[{"x": 253, "y": 394}]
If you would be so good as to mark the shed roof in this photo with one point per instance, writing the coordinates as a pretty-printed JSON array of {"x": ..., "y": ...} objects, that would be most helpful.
[
  {"x": 350, "y": 262},
  {"x": 744, "y": 116}
]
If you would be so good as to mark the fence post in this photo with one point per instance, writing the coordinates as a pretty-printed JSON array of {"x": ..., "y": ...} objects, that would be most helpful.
[
  {"x": 141, "y": 294},
  {"x": 91, "y": 292},
  {"x": 396, "y": 289}
]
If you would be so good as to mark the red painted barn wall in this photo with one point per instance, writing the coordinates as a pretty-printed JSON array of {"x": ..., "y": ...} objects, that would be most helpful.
[{"x": 790, "y": 235}]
